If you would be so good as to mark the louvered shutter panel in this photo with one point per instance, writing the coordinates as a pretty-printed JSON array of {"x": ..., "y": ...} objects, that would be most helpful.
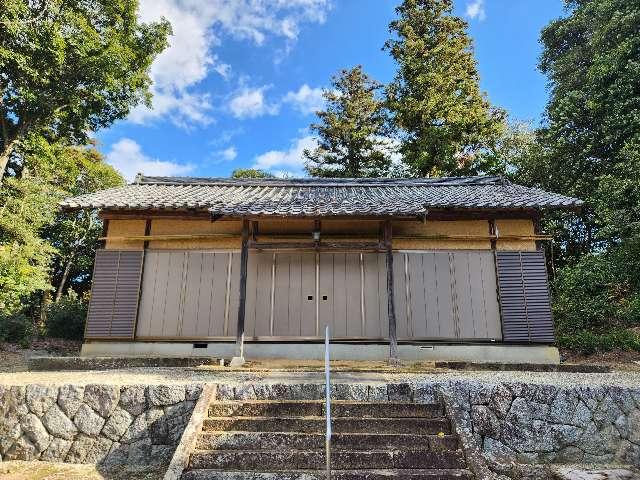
[
  {"x": 524, "y": 297},
  {"x": 114, "y": 294}
]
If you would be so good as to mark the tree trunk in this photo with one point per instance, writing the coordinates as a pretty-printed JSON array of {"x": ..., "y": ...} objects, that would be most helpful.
[
  {"x": 46, "y": 300},
  {"x": 5, "y": 155},
  {"x": 65, "y": 277}
]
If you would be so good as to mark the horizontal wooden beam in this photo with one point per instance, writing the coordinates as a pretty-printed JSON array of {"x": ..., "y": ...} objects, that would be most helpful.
[
  {"x": 153, "y": 214},
  {"x": 434, "y": 214},
  {"x": 358, "y": 246},
  {"x": 151, "y": 238},
  {"x": 210, "y": 236}
]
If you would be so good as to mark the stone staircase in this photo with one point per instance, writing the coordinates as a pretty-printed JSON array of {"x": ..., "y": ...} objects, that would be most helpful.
[{"x": 284, "y": 439}]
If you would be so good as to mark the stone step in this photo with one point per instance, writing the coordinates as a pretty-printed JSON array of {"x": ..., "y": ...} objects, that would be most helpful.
[
  {"x": 292, "y": 408},
  {"x": 361, "y": 474},
  {"x": 262, "y": 460},
  {"x": 306, "y": 441},
  {"x": 339, "y": 425}
]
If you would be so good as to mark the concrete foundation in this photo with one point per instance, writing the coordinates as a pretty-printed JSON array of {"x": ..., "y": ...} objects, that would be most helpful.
[{"x": 339, "y": 351}]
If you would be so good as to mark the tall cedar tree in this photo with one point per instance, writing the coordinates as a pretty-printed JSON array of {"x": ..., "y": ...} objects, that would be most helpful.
[
  {"x": 70, "y": 67},
  {"x": 352, "y": 130},
  {"x": 444, "y": 119}
]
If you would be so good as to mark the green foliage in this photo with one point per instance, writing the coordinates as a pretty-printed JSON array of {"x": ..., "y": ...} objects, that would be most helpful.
[
  {"x": 589, "y": 342},
  {"x": 74, "y": 235},
  {"x": 591, "y": 140},
  {"x": 70, "y": 67},
  {"x": 25, "y": 207},
  {"x": 597, "y": 293},
  {"x": 66, "y": 317},
  {"x": 16, "y": 328},
  {"x": 353, "y": 129},
  {"x": 37, "y": 242},
  {"x": 445, "y": 121},
  {"x": 250, "y": 173}
]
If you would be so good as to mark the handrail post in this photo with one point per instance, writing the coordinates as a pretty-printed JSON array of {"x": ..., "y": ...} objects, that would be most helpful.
[{"x": 327, "y": 390}]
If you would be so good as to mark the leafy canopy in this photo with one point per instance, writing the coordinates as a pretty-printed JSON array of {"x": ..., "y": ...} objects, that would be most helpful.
[
  {"x": 589, "y": 147},
  {"x": 353, "y": 129},
  {"x": 250, "y": 173},
  {"x": 444, "y": 119},
  {"x": 69, "y": 67},
  {"x": 37, "y": 242},
  {"x": 590, "y": 142}
]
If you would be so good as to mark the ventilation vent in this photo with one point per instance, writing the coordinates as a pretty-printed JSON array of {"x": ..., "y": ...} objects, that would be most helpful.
[
  {"x": 114, "y": 294},
  {"x": 524, "y": 297}
]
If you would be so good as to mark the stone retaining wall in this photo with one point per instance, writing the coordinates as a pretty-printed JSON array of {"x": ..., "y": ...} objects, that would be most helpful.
[
  {"x": 510, "y": 423},
  {"x": 522, "y": 423},
  {"x": 110, "y": 425}
]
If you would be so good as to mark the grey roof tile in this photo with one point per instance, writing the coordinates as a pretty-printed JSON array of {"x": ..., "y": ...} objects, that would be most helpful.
[{"x": 321, "y": 197}]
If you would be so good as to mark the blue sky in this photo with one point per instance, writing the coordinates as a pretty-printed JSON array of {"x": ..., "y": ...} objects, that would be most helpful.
[{"x": 241, "y": 79}]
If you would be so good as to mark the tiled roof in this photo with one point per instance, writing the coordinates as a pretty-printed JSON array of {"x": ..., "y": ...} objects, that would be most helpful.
[{"x": 321, "y": 197}]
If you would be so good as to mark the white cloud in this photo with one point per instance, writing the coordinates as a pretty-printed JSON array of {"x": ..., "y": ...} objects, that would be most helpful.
[
  {"x": 198, "y": 27},
  {"x": 251, "y": 103},
  {"x": 127, "y": 157},
  {"x": 287, "y": 162},
  {"x": 306, "y": 100},
  {"x": 185, "y": 108},
  {"x": 221, "y": 68},
  {"x": 475, "y": 9},
  {"x": 227, "y": 155}
]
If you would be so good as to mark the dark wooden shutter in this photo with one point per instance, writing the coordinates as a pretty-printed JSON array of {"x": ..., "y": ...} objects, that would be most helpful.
[
  {"x": 524, "y": 297},
  {"x": 114, "y": 294}
]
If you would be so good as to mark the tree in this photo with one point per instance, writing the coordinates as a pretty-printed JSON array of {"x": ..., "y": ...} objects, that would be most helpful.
[
  {"x": 590, "y": 140},
  {"x": 68, "y": 67},
  {"x": 74, "y": 235},
  {"x": 25, "y": 207},
  {"x": 250, "y": 173},
  {"x": 40, "y": 247},
  {"x": 353, "y": 129},
  {"x": 590, "y": 148},
  {"x": 444, "y": 119}
]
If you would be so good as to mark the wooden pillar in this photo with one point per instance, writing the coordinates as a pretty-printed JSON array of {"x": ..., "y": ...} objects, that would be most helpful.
[
  {"x": 105, "y": 232},
  {"x": 145, "y": 247},
  {"x": 244, "y": 257},
  {"x": 391, "y": 309},
  {"x": 493, "y": 232},
  {"x": 147, "y": 232}
]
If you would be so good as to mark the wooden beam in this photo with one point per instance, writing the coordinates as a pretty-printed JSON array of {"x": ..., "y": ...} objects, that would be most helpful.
[
  {"x": 105, "y": 233},
  {"x": 143, "y": 214},
  {"x": 493, "y": 233},
  {"x": 255, "y": 229},
  {"x": 537, "y": 228},
  {"x": 244, "y": 257},
  {"x": 191, "y": 236},
  {"x": 391, "y": 309},
  {"x": 316, "y": 228},
  {"x": 271, "y": 239},
  {"x": 147, "y": 233},
  {"x": 434, "y": 214},
  {"x": 355, "y": 246}
]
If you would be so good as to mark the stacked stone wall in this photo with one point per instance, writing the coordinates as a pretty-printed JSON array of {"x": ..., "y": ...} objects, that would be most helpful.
[{"x": 110, "y": 425}]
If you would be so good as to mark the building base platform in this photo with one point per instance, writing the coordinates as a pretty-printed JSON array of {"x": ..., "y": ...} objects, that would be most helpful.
[{"x": 477, "y": 353}]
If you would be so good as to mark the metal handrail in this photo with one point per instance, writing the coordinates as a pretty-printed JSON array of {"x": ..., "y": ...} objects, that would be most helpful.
[{"x": 327, "y": 390}]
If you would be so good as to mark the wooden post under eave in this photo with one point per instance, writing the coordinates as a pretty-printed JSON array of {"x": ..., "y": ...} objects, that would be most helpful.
[
  {"x": 393, "y": 336},
  {"x": 244, "y": 257}
]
